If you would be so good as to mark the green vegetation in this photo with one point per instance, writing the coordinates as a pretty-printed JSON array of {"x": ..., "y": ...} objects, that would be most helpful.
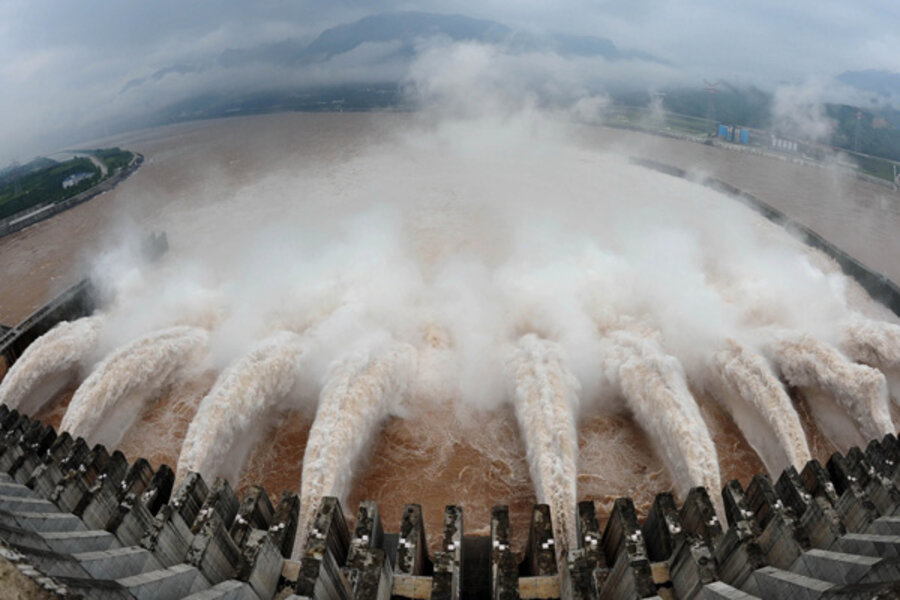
[
  {"x": 871, "y": 136},
  {"x": 41, "y": 180}
]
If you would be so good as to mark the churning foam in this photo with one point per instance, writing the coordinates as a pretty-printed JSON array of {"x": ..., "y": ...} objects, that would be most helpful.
[
  {"x": 760, "y": 406},
  {"x": 49, "y": 364},
  {"x": 655, "y": 390},
  {"x": 358, "y": 395},
  {"x": 859, "y": 390},
  {"x": 475, "y": 232},
  {"x": 873, "y": 343},
  {"x": 546, "y": 398},
  {"x": 232, "y": 416},
  {"x": 113, "y": 395}
]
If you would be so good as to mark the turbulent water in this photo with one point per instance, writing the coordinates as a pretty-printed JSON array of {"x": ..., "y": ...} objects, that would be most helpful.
[
  {"x": 654, "y": 386},
  {"x": 49, "y": 364},
  {"x": 546, "y": 399},
  {"x": 873, "y": 343},
  {"x": 859, "y": 390},
  {"x": 233, "y": 415},
  {"x": 458, "y": 240},
  {"x": 760, "y": 405},
  {"x": 115, "y": 393},
  {"x": 358, "y": 395}
]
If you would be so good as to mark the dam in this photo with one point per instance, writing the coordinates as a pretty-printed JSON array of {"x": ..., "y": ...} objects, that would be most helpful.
[
  {"x": 83, "y": 522},
  {"x": 731, "y": 355}
]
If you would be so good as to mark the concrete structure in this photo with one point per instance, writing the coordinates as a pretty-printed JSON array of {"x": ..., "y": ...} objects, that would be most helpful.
[{"x": 81, "y": 522}]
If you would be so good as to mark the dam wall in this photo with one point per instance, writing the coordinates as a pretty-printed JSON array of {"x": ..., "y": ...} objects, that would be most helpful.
[
  {"x": 81, "y": 522},
  {"x": 78, "y": 301},
  {"x": 878, "y": 285}
]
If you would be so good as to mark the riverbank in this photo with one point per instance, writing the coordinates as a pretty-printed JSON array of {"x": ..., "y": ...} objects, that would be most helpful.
[{"x": 40, "y": 212}]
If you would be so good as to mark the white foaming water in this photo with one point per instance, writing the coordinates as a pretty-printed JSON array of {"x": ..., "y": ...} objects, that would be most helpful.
[
  {"x": 655, "y": 390},
  {"x": 873, "y": 343},
  {"x": 860, "y": 391},
  {"x": 467, "y": 234},
  {"x": 234, "y": 413},
  {"x": 760, "y": 407},
  {"x": 358, "y": 395},
  {"x": 546, "y": 398},
  {"x": 113, "y": 395},
  {"x": 49, "y": 364}
]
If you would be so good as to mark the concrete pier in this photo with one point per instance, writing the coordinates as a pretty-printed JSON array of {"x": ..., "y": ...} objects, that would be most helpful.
[{"x": 83, "y": 522}]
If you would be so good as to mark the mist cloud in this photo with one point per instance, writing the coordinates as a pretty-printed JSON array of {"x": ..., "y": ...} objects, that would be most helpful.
[{"x": 64, "y": 66}]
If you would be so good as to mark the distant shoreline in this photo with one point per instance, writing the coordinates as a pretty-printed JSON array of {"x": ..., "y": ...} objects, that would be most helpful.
[{"x": 41, "y": 212}]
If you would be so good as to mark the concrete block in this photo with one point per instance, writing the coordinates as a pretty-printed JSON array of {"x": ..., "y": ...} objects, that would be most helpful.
[
  {"x": 790, "y": 490},
  {"x": 836, "y": 567},
  {"x": 26, "y": 504},
  {"x": 581, "y": 576},
  {"x": 368, "y": 571},
  {"x": 737, "y": 556},
  {"x": 254, "y": 512},
  {"x": 71, "y": 542},
  {"x": 870, "y": 544},
  {"x": 629, "y": 577},
  {"x": 220, "y": 501},
  {"x": 662, "y": 529},
  {"x": 12, "y": 488},
  {"x": 173, "y": 582},
  {"x": 889, "y": 525},
  {"x": 821, "y": 523},
  {"x": 212, "y": 549},
  {"x": 189, "y": 498},
  {"x": 776, "y": 583},
  {"x": 157, "y": 492},
  {"x": 691, "y": 567},
  {"x": 226, "y": 590},
  {"x": 320, "y": 573},
  {"x": 540, "y": 550},
  {"x": 117, "y": 562},
  {"x": 446, "y": 581},
  {"x": 736, "y": 507},
  {"x": 504, "y": 567},
  {"x": 622, "y": 534},
  {"x": 719, "y": 590},
  {"x": 817, "y": 482},
  {"x": 54, "y": 564},
  {"x": 49, "y": 522},
  {"x": 589, "y": 534},
  {"x": 261, "y": 564},
  {"x": 169, "y": 536},
  {"x": 698, "y": 516},
  {"x": 101, "y": 501},
  {"x": 283, "y": 529},
  {"x": 412, "y": 554}
]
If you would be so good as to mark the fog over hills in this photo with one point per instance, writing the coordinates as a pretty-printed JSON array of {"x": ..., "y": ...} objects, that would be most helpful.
[
  {"x": 402, "y": 36},
  {"x": 75, "y": 71}
]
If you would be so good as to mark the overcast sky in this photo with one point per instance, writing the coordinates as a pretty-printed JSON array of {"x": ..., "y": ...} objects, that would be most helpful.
[{"x": 63, "y": 64}]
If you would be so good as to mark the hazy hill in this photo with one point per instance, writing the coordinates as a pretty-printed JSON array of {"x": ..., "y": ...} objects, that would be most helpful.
[{"x": 405, "y": 30}]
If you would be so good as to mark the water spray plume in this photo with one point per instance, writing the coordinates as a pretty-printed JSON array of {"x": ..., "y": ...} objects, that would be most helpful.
[
  {"x": 113, "y": 395},
  {"x": 653, "y": 384},
  {"x": 358, "y": 395},
  {"x": 49, "y": 364},
  {"x": 232, "y": 416},
  {"x": 859, "y": 390},
  {"x": 760, "y": 406},
  {"x": 546, "y": 397},
  {"x": 873, "y": 343}
]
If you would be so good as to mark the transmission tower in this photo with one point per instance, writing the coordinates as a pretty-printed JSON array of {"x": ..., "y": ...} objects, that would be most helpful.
[
  {"x": 711, "y": 91},
  {"x": 17, "y": 184}
]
